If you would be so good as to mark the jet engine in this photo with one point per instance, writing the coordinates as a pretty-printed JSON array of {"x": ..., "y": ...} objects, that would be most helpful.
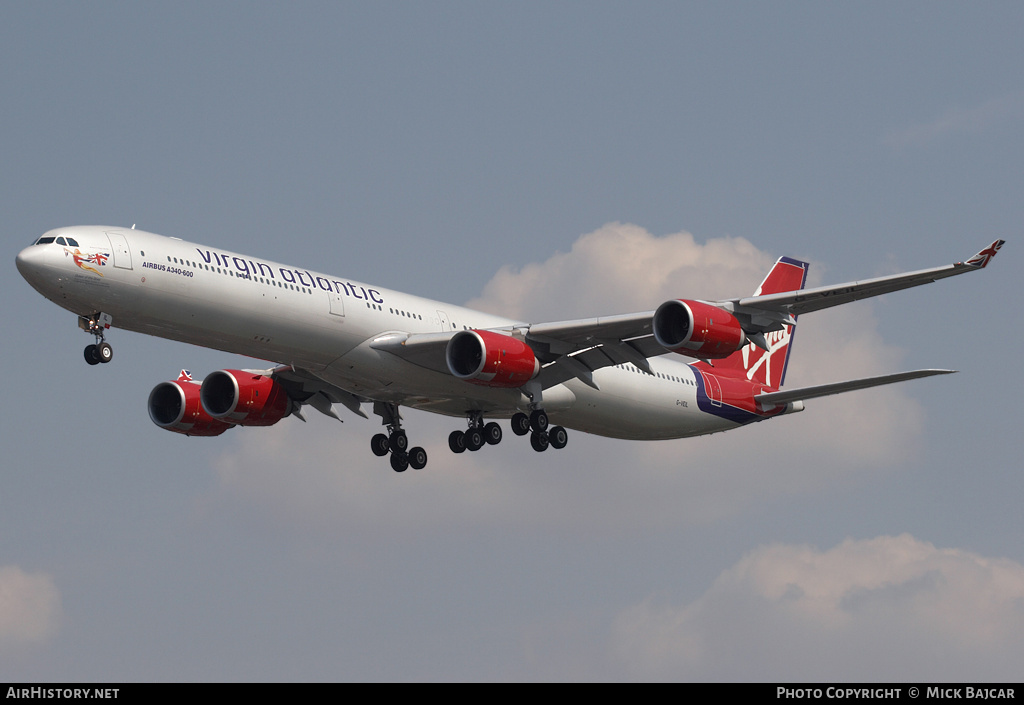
[
  {"x": 176, "y": 407},
  {"x": 697, "y": 329},
  {"x": 244, "y": 398},
  {"x": 491, "y": 359}
]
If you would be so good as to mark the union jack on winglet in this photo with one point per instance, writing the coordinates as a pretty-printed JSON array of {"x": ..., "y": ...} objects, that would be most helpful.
[{"x": 982, "y": 259}]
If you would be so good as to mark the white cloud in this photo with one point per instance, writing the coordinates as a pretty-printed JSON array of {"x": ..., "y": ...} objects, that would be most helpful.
[
  {"x": 886, "y": 609},
  {"x": 29, "y": 607},
  {"x": 621, "y": 268},
  {"x": 325, "y": 473}
]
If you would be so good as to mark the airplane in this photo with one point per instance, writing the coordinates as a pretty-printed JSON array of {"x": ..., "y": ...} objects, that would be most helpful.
[{"x": 336, "y": 341}]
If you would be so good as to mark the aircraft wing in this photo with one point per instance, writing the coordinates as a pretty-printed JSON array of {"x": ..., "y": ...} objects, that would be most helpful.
[
  {"x": 423, "y": 349},
  {"x": 807, "y": 300},
  {"x": 576, "y": 348},
  {"x": 570, "y": 349},
  {"x": 305, "y": 388},
  {"x": 823, "y": 390},
  {"x": 564, "y": 336}
]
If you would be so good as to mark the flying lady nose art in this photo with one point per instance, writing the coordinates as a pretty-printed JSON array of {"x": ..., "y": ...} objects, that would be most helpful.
[{"x": 83, "y": 261}]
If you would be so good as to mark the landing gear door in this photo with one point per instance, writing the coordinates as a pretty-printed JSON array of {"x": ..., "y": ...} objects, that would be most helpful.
[{"x": 122, "y": 254}]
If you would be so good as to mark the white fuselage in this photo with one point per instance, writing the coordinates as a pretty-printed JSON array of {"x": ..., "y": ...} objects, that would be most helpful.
[{"x": 294, "y": 316}]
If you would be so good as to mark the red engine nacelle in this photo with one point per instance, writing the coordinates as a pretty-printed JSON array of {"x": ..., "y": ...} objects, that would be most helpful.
[
  {"x": 244, "y": 398},
  {"x": 697, "y": 329},
  {"x": 176, "y": 407},
  {"x": 491, "y": 359}
]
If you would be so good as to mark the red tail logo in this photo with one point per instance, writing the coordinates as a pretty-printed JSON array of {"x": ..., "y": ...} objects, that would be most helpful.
[{"x": 767, "y": 367}]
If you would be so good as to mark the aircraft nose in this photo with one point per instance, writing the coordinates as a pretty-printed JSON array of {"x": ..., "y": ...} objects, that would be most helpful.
[{"x": 31, "y": 262}]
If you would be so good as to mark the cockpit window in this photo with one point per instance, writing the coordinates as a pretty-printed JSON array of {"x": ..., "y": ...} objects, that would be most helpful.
[
  {"x": 72, "y": 242},
  {"x": 61, "y": 241},
  {"x": 44, "y": 240}
]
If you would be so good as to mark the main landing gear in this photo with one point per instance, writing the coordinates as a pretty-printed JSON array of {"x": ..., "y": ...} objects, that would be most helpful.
[
  {"x": 97, "y": 324},
  {"x": 478, "y": 434},
  {"x": 396, "y": 442},
  {"x": 536, "y": 424}
]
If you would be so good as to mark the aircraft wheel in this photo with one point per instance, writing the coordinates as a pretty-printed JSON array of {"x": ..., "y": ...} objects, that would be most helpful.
[
  {"x": 539, "y": 441},
  {"x": 520, "y": 424},
  {"x": 398, "y": 442},
  {"x": 457, "y": 441},
  {"x": 558, "y": 437},
  {"x": 417, "y": 458},
  {"x": 399, "y": 462},
  {"x": 92, "y": 354},
  {"x": 539, "y": 421},
  {"x": 105, "y": 352},
  {"x": 379, "y": 445},
  {"x": 474, "y": 439},
  {"x": 492, "y": 434}
]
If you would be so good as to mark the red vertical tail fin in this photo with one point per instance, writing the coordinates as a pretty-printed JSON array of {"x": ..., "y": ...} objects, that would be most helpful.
[{"x": 767, "y": 367}]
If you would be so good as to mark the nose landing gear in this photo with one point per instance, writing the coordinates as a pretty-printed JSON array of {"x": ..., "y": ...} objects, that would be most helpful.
[{"x": 96, "y": 324}]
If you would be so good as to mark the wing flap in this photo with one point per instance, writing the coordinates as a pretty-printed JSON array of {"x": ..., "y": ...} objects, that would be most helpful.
[
  {"x": 304, "y": 387},
  {"x": 583, "y": 332}
]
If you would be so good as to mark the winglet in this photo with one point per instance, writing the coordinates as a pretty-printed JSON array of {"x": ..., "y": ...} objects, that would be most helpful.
[{"x": 982, "y": 259}]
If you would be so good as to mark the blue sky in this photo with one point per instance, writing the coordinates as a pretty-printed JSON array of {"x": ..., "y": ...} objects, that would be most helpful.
[{"x": 551, "y": 159}]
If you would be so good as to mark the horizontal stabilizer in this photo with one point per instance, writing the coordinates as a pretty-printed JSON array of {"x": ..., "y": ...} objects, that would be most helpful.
[{"x": 824, "y": 390}]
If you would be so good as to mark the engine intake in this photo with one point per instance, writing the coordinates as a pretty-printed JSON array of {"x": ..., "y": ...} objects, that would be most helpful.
[
  {"x": 175, "y": 406},
  {"x": 697, "y": 329},
  {"x": 244, "y": 398},
  {"x": 491, "y": 359}
]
